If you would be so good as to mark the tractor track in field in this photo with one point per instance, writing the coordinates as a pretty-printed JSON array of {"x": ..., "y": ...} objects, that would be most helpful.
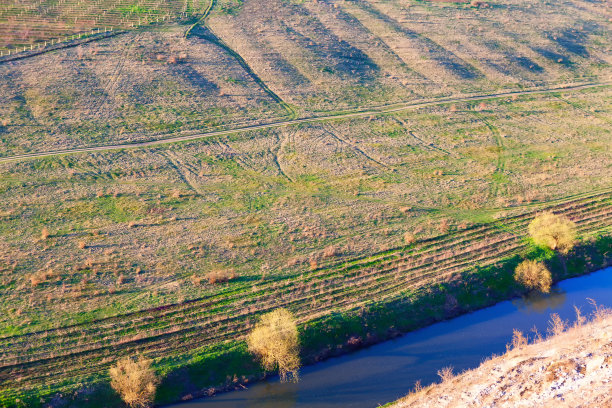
[
  {"x": 437, "y": 242},
  {"x": 501, "y": 159},
  {"x": 384, "y": 109},
  {"x": 55, "y": 354},
  {"x": 209, "y": 35}
]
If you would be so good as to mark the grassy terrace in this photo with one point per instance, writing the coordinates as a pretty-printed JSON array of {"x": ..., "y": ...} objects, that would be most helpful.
[
  {"x": 43, "y": 361},
  {"x": 325, "y": 238},
  {"x": 105, "y": 253}
]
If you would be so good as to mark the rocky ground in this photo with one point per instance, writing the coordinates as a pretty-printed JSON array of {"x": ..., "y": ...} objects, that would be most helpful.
[{"x": 570, "y": 369}]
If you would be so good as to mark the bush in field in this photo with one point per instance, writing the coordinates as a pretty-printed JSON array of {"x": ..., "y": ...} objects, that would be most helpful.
[
  {"x": 41, "y": 277},
  {"x": 220, "y": 275},
  {"x": 553, "y": 231},
  {"x": 409, "y": 238},
  {"x": 275, "y": 340},
  {"x": 533, "y": 275},
  {"x": 134, "y": 381}
]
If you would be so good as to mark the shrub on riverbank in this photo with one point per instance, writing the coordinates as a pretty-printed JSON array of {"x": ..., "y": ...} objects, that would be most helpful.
[
  {"x": 275, "y": 341},
  {"x": 556, "y": 232},
  {"x": 533, "y": 275},
  {"x": 134, "y": 381}
]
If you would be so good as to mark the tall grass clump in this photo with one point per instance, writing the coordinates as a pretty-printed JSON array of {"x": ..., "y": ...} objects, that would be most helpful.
[
  {"x": 275, "y": 341},
  {"x": 446, "y": 374},
  {"x": 220, "y": 276}
]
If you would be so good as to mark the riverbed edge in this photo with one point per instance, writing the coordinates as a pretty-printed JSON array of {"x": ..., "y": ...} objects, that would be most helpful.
[{"x": 229, "y": 366}]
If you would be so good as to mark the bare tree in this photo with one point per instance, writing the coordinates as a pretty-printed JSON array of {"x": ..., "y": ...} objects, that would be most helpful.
[
  {"x": 134, "y": 381},
  {"x": 275, "y": 340}
]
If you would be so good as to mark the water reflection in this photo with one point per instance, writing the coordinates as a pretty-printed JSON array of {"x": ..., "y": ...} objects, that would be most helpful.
[
  {"x": 271, "y": 395},
  {"x": 536, "y": 302}
]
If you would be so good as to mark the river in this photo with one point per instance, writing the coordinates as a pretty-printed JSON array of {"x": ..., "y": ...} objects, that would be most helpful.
[{"x": 387, "y": 371}]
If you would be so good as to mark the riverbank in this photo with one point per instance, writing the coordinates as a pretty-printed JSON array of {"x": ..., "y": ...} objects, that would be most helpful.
[
  {"x": 569, "y": 369},
  {"x": 342, "y": 334},
  {"x": 229, "y": 366},
  {"x": 380, "y": 373}
]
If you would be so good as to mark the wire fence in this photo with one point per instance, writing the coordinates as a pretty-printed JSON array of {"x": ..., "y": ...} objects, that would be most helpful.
[{"x": 32, "y": 25}]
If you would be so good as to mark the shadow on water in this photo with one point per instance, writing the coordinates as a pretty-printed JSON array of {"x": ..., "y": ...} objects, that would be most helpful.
[{"x": 387, "y": 371}]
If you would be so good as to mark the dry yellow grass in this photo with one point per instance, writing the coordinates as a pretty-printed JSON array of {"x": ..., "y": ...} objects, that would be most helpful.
[
  {"x": 220, "y": 275},
  {"x": 40, "y": 277},
  {"x": 409, "y": 238},
  {"x": 571, "y": 368}
]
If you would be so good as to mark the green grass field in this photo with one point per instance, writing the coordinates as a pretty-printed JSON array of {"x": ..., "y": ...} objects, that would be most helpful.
[{"x": 105, "y": 253}]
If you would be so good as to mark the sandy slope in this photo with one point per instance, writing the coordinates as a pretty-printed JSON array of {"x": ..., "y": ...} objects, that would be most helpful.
[{"x": 571, "y": 369}]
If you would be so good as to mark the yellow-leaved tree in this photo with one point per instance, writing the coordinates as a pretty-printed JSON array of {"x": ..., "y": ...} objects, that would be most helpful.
[
  {"x": 553, "y": 231},
  {"x": 275, "y": 341}
]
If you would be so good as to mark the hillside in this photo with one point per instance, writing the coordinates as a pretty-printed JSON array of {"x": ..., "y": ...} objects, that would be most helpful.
[
  {"x": 247, "y": 64},
  {"x": 331, "y": 157},
  {"x": 569, "y": 369}
]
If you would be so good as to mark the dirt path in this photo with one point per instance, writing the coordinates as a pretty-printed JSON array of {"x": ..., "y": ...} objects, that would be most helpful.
[
  {"x": 396, "y": 107},
  {"x": 184, "y": 174},
  {"x": 501, "y": 156}
]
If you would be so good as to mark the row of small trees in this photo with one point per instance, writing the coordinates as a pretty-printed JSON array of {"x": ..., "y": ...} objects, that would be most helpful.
[
  {"x": 275, "y": 341},
  {"x": 551, "y": 231}
]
